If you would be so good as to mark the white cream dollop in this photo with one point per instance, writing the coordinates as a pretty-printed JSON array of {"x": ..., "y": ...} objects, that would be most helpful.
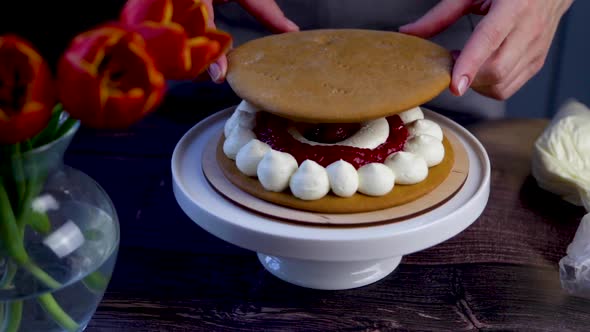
[
  {"x": 411, "y": 115},
  {"x": 370, "y": 135},
  {"x": 408, "y": 167},
  {"x": 310, "y": 181},
  {"x": 238, "y": 137},
  {"x": 244, "y": 115},
  {"x": 375, "y": 179},
  {"x": 275, "y": 169},
  {"x": 344, "y": 179},
  {"x": 425, "y": 126},
  {"x": 230, "y": 123},
  {"x": 427, "y": 147},
  {"x": 250, "y": 155}
]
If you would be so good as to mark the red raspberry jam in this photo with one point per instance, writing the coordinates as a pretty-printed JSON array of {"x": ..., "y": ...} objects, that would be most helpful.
[{"x": 272, "y": 130}]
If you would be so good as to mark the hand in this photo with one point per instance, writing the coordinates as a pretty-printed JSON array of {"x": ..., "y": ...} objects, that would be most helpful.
[
  {"x": 266, "y": 12},
  {"x": 507, "y": 48}
]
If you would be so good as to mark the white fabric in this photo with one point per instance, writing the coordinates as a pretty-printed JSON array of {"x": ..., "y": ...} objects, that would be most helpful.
[{"x": 561, "y": 164}]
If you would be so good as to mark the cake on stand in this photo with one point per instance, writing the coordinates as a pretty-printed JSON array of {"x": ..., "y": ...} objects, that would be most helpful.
[{"x": 300, "y": 248}]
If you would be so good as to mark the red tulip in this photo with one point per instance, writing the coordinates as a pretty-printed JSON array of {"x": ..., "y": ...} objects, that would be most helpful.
[
  {"x": 27, "y": 93},
  {"x": 106, "y": 79},
  {"x": 176, "y": 35}
]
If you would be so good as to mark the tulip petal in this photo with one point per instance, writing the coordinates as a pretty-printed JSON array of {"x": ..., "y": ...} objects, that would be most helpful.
[
  {"x": 166, "y": 44},
  {"x": 223, "y": 38},
  {"x": 203, "y": 53},
  {"x": 138, "y": 11},
  {"x": 192, "y": 16}
]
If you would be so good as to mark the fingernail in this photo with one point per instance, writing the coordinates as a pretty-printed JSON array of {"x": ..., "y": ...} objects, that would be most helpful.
[
  {"x": 404, "y": 27},
  {"x": 214, "y": 71},
  {"x": 463, "y": 84},
  {"x": 291, "y": 26}
]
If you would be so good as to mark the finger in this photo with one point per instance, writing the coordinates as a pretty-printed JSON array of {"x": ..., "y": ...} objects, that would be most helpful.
[
  {"x": 217, "y": 69},
  {"x": 488, "y": 76},
  {"x": 507, "y": 62},
  {"x": 487, "y": 37},
  {"x": 210, "y": 14},
  {"x": 530, "y": 63},
  {"x": 269, "y": 14},
  {"x": 531, "y": 70},
  {"x": 508, "y": 88},
  {"x": 516, "y": 52},
  {"x": 438, "y": 18}
]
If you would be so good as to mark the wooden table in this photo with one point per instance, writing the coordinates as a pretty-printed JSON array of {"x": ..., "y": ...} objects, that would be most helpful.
[{"x": 499, "y": 274}]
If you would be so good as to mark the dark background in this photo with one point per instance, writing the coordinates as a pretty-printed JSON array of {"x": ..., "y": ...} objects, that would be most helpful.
[{"x": 50, "y": 25}]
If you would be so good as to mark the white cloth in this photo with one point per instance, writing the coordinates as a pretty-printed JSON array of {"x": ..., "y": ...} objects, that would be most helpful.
[{"x": 561, "y": 164}]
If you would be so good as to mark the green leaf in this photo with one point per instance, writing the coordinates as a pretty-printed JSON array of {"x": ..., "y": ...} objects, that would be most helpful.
[
  {"x": 48, "y": 133},
  {"x": 65, "y": 127}
]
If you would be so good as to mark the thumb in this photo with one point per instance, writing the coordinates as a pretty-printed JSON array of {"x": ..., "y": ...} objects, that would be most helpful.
[{"x": 440, "y": 17}]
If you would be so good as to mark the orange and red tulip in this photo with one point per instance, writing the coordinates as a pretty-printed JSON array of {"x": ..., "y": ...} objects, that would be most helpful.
[
  {"x": 107, "y": 79},
  {"x": 176, "y": 35},
  {"x": 27, "y": 93}
]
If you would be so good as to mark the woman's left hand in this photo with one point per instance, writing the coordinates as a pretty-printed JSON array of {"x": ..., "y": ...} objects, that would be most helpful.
[{"x": 507, "y": 48}]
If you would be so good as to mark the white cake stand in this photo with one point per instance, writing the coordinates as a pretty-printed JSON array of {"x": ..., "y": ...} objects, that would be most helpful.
[{"x": 324, "y": 257}]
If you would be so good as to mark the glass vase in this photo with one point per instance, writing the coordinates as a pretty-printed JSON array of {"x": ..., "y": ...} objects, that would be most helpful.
[{"x": 59, "y": 238}]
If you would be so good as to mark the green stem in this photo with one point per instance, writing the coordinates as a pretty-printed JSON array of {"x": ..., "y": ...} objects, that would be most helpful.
[
  {"x": 41, "y": 275},
  {"x": 39, "y": 222},
  {"x": 12, "y": 228},
  {"x": 34, "y": 185},
  {"x": 9, "y": 274},
  {"x": 19, "y": 176},
  {"x": 9, "y": 231},
  {"x": 96, "y": 282},
  {"x": 10, "y": 236},
  {"x": 56, "y": 312},
  {"x": 14, "y": 315},
  {"x": 2, "y": 315}
]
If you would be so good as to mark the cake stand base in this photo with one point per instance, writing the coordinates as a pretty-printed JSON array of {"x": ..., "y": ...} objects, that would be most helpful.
[{"x": 328, "y": 275}]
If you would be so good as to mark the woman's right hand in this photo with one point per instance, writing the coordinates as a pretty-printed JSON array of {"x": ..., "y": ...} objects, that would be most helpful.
[{"x": 267, "y": 12}]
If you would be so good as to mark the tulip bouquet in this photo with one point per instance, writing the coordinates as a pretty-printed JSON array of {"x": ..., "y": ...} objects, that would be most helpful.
[{"x": 108, "y": 78}]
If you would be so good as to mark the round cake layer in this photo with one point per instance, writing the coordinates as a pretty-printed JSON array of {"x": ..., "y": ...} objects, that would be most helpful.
[
  {"x": 354, "y": 75},
  {"x": 333, "y": 204}
]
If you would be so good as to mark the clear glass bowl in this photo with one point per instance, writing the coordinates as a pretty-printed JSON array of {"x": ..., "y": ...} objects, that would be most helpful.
[{"x": 69, "y": 232}]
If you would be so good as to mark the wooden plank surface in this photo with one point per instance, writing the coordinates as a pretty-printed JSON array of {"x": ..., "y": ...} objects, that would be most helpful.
[{"x": 500, "y": 274}]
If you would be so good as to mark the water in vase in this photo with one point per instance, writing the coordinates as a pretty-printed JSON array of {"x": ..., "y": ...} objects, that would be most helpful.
[{"x": 79, "y": 253}]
